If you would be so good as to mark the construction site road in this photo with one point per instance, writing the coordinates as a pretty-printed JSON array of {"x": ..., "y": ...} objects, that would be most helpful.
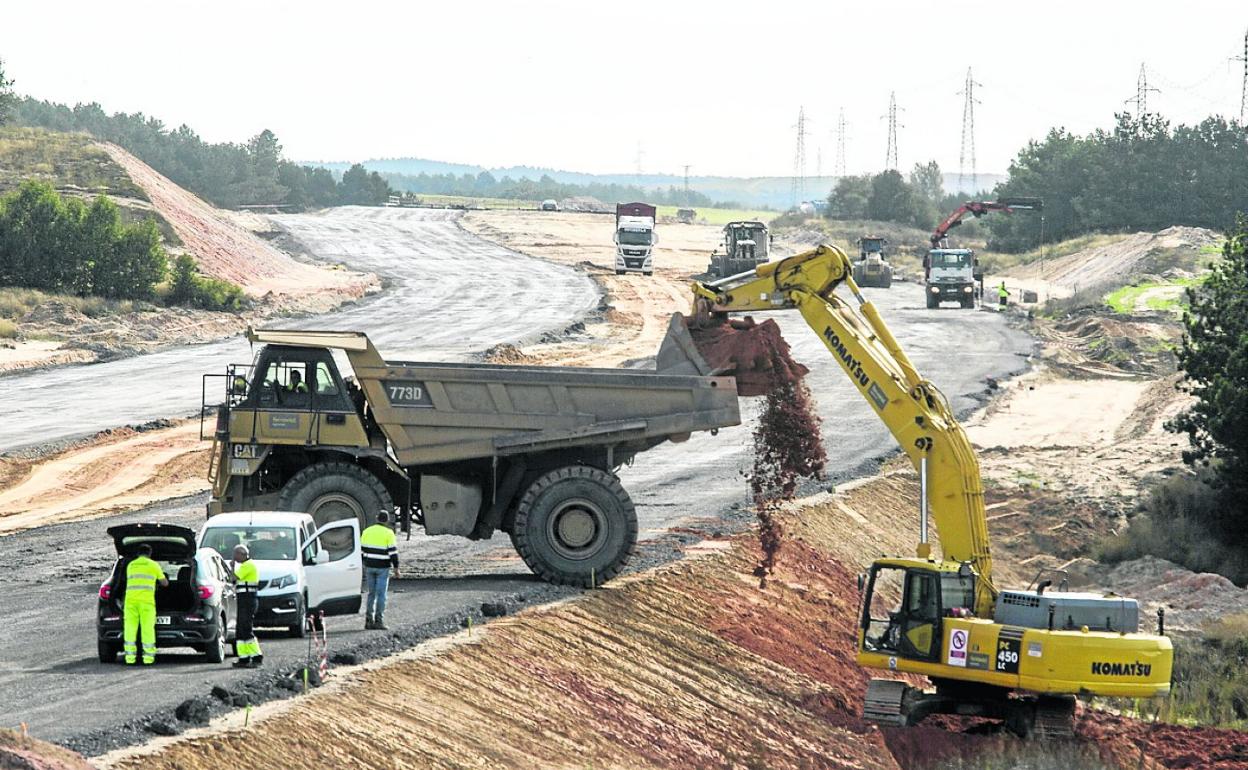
[
  {"x": 49, "y": 664},
  {"x": 447, "y": 294}
]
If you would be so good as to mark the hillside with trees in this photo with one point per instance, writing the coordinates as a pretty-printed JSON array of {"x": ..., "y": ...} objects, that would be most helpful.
[
  {"x": 485, "y": 185},
  {"x": 228, "y": 175}
]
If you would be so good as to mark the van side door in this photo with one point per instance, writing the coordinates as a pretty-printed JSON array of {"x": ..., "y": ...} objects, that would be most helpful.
[{"x": 334, "y": 575}]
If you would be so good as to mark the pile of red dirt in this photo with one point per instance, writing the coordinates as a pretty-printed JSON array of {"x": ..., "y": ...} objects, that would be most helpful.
[
  {"x": 755, "y": 354},
  {"x": 22, "y": 752},
  {"x": 1171, "y": 746}
]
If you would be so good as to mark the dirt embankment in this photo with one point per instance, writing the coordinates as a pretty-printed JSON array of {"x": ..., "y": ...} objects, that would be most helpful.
[{"x": 58, "y": 332}]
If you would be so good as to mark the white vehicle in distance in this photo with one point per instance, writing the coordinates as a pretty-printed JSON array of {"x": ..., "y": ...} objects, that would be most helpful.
[
  {"x": 550, "y": 204},
  {"x": 302, "y": 569}
]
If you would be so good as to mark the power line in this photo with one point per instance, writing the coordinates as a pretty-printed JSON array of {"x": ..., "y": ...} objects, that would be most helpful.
[
  {"x": 839, "y": 168},
  {"x": 968, "y": 134},
  {"x": 890, "y": 157},
  {"x": 799, "y": 158},
  {"x": 1141, "y": 93}
]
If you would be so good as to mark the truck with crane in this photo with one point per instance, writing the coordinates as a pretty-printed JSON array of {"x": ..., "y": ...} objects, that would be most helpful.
[
  {"x": 953, "y": 275},
  {"x": 459, "y": 449},
  {"x": 1019, "y": 655},
  {"x": 635, "y": 238}
]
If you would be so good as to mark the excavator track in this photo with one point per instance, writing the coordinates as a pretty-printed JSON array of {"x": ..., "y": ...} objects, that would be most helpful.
[
  {"x": 885, "y": 702},
  {"x": 1054, "y": 720}
]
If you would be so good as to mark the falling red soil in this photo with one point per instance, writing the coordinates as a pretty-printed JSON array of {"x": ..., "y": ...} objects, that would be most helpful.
[{"x": 755, "y": 354}]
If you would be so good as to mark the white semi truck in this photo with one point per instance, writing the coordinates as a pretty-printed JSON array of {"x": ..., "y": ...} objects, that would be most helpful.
[{"x": 635, "y": 238}]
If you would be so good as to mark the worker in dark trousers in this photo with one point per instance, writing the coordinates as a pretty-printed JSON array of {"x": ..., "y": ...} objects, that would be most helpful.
[
  {"x": 247, "y": 590},
  {"x": 381, "y": 554},
  {"x": 1003, "y": 296}
]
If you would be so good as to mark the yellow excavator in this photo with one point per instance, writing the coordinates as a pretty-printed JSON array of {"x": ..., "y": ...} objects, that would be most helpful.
[{"x": 1020, "y": 656}]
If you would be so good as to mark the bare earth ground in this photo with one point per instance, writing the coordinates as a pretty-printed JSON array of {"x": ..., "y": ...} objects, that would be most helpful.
[
  {"x": 692, "y": 665},
  {"x": 55, "y": 334}
]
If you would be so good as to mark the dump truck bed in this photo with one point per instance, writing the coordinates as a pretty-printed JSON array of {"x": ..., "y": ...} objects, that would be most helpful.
[{"x": 434, "y": 413}]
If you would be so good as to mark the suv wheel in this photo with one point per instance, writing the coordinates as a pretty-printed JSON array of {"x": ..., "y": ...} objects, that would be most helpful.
[
  {"x": 214, "y": 651},
  {"x": 107, "y": 651}
]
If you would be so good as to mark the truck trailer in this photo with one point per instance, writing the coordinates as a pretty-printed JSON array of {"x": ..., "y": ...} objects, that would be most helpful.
[{"x": 458, "y": 449}]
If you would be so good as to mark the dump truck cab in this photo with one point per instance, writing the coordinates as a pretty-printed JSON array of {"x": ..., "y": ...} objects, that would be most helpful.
[{"x": 458, "y": 449}]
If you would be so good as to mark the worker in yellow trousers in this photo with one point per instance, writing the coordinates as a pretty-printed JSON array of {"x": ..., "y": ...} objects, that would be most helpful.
[
  {"x": 142, "y": 577},
  {"x": 246, "y": 589}
]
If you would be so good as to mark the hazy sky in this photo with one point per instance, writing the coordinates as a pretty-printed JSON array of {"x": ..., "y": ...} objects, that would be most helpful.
[{"x": 580, "y": 85}]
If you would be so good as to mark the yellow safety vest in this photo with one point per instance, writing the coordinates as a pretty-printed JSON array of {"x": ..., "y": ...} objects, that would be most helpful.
[
  {"x": 379, "y": 546},
  {"x": 247, "y": 577},
  {"x": 142, "y": 575}
]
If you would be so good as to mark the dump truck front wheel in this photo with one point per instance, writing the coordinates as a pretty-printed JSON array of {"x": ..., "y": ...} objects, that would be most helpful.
[
  {"x": 575, "y": 526},
  {"x": 334, "y": 491}
]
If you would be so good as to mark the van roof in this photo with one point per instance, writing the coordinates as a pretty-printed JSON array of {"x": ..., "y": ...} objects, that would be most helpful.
[{"x": 259, "y": 518}]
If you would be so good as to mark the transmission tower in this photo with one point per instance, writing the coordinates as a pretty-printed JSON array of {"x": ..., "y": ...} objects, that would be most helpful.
[
  {"x": 839, "y": 169},
  {"x": 799, "y": 158},
  {"x": 1243, "y": 89},
  {"x": 890, "y": 158},
  {"x": 640, "y": 155},
  {"x": 1141, "y": 93},
  {"x": 968, "y": 135},
  {"x": 686, "y": 184}
]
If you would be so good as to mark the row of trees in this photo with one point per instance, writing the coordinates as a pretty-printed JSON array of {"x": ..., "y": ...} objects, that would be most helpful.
[
  {"x": 1142, "y": 175},
  {"x": 68, "y": 246},
  {"x": 229, "y": 175},
  {"x": 918, "y": 201},
  {"x": 486, "y": 185}
]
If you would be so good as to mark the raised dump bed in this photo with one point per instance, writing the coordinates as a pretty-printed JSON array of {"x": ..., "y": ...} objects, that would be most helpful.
[{"x": 463, "y": 449}]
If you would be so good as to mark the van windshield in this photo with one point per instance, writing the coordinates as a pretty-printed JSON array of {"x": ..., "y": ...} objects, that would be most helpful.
[{"x": 265, "y": 543}]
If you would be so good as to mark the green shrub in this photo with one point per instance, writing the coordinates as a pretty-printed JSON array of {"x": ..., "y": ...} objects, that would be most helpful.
[
  {"x": 187, "y": 287},
  {"x": 8, "y": 329}
]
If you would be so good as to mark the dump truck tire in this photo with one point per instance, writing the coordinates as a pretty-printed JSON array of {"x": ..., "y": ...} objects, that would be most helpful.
[
  {"x": 335, "y": 491},
  {"x": 575, "y": 526}
]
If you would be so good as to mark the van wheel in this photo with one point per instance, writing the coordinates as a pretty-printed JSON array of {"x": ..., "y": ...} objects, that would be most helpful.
[
  {"x": 214, "y": 651},
  {"x": 300, "y": 629},
  {"x": 575, "y": 526},
  {"x": 107, "y": 651},
  {"x": 335, "y": 491}
]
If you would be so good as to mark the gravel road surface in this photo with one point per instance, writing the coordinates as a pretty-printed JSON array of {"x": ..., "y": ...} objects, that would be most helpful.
[{"x": 48, "y": 668}]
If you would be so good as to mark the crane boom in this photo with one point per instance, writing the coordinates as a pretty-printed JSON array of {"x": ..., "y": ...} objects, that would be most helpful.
[
  {"x": 978, "y": 209},
  {"x": 914, "y": 410}
]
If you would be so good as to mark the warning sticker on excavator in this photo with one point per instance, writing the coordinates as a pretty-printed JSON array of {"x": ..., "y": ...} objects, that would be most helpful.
[
  {"x": 957, "y": 647},
  {"x": 876, "y": 394}
]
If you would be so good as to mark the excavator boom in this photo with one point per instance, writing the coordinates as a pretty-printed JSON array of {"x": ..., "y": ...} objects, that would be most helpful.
[{"x": 914, "y": 410}]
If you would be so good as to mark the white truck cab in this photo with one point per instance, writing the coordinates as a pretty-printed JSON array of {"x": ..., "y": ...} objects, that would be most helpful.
[
  {"x": 635, "y": 238},
  {"x": 303, "y": 569}
]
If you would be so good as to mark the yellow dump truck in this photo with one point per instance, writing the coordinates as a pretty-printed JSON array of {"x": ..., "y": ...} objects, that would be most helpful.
[{"x": 459, "y": 449}]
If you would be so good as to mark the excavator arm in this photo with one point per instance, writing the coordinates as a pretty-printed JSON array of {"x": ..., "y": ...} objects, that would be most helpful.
[{"x": 913, "y": 409}]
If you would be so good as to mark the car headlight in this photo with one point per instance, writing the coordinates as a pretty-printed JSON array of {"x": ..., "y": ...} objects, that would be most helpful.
[
  {"x": 284, "y": 581},
  {"x": 967, "y": 289},
  {"x": 935, "y": 290}
]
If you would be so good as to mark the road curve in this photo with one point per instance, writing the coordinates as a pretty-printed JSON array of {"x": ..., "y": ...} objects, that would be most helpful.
[{"x": 448, "y": 294}]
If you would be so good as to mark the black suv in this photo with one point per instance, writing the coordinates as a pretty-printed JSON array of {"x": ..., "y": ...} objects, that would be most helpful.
[{"x": 196, "y": 609}]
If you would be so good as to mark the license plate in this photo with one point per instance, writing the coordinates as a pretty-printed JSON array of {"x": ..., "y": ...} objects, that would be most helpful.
[{"x": 163, "y": 620}]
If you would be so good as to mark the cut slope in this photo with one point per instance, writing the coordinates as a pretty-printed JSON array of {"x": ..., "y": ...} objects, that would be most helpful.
[
  {"x": 225, "y": 250},
  {"x": 1116, "y": 263}
]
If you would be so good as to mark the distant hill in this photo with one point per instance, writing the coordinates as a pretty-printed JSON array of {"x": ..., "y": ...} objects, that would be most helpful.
[{"x": 766, "y": 191}]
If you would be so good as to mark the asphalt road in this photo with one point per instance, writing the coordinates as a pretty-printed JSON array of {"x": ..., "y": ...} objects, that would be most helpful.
[
  {"x": 448, "y": 294},
  {"x": 47, "y": 654}
]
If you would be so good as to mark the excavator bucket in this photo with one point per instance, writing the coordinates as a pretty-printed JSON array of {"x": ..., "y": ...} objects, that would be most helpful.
[
  {"x": 755, "y": 354},
  {"x": 1022, "y": 204}
]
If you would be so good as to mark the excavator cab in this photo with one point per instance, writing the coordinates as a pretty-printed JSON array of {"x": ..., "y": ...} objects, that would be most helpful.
[{"x": 905, "y": 604}]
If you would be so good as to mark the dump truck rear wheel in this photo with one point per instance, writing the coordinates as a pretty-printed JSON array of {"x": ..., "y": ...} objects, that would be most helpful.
[
  {"x": 576, "y": 526},
  {"x": 336, "y": 491}
]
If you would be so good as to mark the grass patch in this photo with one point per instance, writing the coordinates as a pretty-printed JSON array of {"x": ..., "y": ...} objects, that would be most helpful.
[
  {"x": 1124, "y": 300},
  {"x": 470, "y": 202},
  {"x": 16, "y": 302},
  {"x": 69, "y": 162},
  {"x": 8, "y": 329}
]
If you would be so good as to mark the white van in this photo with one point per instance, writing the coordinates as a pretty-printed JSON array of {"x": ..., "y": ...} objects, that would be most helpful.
[{"x": 302, "y": 569}]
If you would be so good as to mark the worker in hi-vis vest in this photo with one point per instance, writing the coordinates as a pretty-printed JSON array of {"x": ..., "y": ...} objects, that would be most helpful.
[
  {"x": 381, "y": 554},
  {"x": 139, "y": 605},
  {"x": 1003, "y": 296},
  {"x": 247, "y": 592}
]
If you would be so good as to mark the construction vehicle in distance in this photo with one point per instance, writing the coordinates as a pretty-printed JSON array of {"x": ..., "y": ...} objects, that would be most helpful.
[
  {"x": 953, "y": 275},
  {"x": 460, "y": 449},
  {"x": 746, "y": 245},
  {"x": 686, "y": 216},
  {"x": 1018, "y": 655},
  {"x": 635, "y": 238},
  {"x": 872, "y": 269}
]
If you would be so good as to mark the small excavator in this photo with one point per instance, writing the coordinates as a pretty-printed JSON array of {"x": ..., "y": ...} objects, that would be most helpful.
[{"x": 1015, "y": 655}]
